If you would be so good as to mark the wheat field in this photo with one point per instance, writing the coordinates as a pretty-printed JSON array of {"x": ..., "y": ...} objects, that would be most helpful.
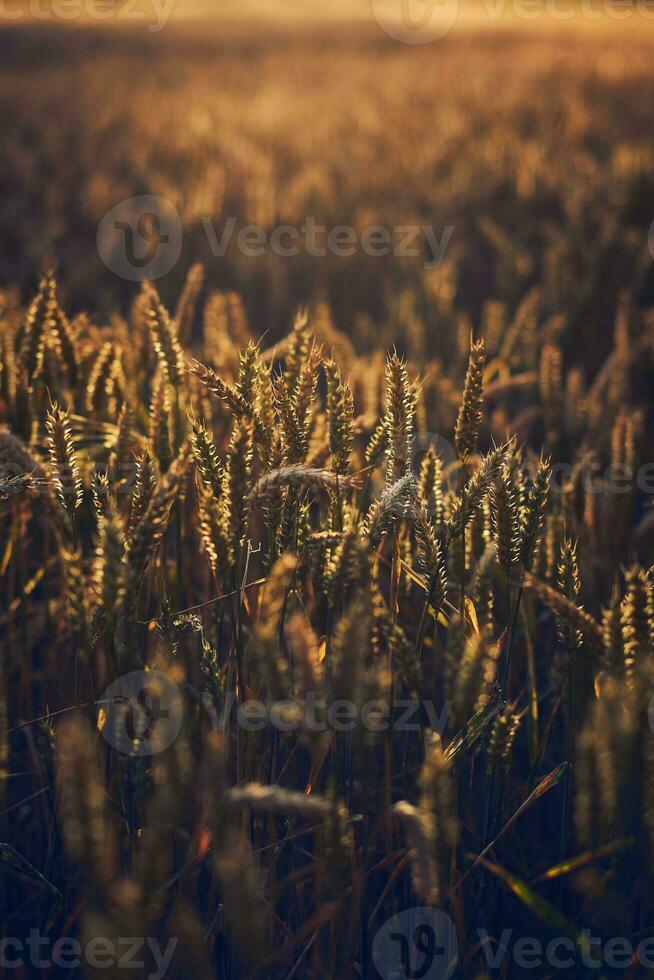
[{"x": 327, "y": 584}]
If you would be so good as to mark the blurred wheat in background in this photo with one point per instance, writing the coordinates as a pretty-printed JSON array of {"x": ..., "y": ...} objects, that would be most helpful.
[{"x": 300, "y": 500}]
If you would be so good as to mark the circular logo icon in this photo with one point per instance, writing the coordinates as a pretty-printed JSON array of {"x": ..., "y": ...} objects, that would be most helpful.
[
  {"x": 416, "y": 21},
  {"x": 441, "y": 446},
  {"x": 420, "y": 942},
  {"x": 141, "y": 238},
  {"x": 141, "y": 713}
]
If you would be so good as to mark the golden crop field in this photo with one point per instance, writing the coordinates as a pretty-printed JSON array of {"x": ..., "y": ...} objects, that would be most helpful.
[{"x": 326, "y": 476}]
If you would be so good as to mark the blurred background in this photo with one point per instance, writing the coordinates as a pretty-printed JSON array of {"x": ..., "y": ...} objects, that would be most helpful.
[{"x": 526, "y": 128}]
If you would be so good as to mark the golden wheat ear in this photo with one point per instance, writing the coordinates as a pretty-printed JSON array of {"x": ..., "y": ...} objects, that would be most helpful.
[
  {"x": 159, "y": 425},
  {"x": 470, "y": 414},
  {"x": 187, "y": 306},
  {"x": 232, "y": 399},
  {"x": 163, "y": 332},
  {"x": 532, "y": 514},
  {"x": 340, "y": 418},
  {"x": 499, "y": 752},
  {"x": 150, "y": 530},
  {"x": 420, "y": 833},
  {"x": 81, "y": 802},
  {"x": 505, "y": 525},
  {"x": 389, "y": 508},
  {"x": 634, "y": 619},
  {"x": 144, "y": 486},
  {"x": 64, "y": 468},
  {"x": 400, "y": 419},
  {"x": 207, "y": 459},
  {"x": 466, "y": 505},
  {"x": 32, "y": 335},
  {"x": 96, "y": 387}
]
